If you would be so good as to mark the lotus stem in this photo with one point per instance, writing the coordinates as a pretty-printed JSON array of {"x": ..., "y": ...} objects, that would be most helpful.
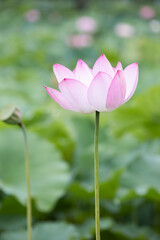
[
  {"x": 96, "y": 168},
  {"x": 29, "y": 207}
]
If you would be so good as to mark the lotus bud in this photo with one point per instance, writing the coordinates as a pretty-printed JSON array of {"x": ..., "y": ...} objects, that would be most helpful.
[{"x": 11, "y": 114}]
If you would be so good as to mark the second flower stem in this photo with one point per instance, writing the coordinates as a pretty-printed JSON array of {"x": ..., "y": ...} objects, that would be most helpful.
[
  {"x": 29, "y": 208},
  {"x": 96, "y": 169}
]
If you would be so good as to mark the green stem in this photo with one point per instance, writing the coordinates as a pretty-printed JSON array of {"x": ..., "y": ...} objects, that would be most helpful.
[
  {"x": 96, "y": 168},
  {"x": 29, "y": 208}
]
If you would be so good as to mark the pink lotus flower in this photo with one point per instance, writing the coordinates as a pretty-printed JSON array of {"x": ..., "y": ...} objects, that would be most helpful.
[
  {"x": 147, "y": 12},
  {"x": 79, "y": 40},
  {"x": 86, "y": 24},
  {"x": 33, "y": 15},
  {"x": 124, "y": 30},
  {"x": 101, "y": 89}
]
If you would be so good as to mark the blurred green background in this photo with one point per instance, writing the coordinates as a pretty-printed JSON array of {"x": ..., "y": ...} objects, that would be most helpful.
[{"x": 33, "y": 36}]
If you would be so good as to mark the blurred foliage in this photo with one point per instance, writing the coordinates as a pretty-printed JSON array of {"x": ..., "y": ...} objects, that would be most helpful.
[{"x": 34, "y": 36}]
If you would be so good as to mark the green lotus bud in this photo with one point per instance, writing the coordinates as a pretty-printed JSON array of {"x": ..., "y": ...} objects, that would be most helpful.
[{"x": 10, "y": 114}]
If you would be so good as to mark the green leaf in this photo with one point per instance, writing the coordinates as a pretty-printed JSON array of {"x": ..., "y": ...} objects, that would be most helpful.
[
  {"x": 48, "y": 231},
  {"x": 108, "y": 188},
  {"x": 142, "y": 177},
  {"x": 56, "y": 132},
  {"x": 12, "y": 215},
  {"x": 12, "y": 222},
  {"x": 60, "y": 231},
  {"x": 141, "y": 116},
  {"x": 20, "y": 235},
  {"x": 132, "y": 231},
  {"x": 87, "y": 229},
  {"x": 113, "y": 155},
  {"x": 49, "y": 173},
  {"x": 11, "y": 206}
]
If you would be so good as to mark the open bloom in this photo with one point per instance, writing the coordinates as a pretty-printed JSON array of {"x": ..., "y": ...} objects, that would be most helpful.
[{"x": 101, "y": 89}]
